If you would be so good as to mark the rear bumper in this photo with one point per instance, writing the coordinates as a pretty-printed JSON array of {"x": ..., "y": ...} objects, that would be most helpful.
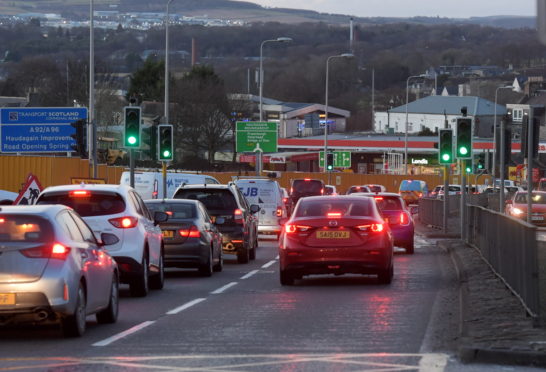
[
  {"x": 269, "y": 229},
  {"x": 402, "y": 235},
  {"x": 186, "y": 255}
]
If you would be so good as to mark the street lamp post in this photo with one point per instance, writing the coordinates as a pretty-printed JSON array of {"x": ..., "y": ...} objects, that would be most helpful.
[
  {"x": 406, "y": 131},
  {"x": 261, "y": 76},
  {"x": 344, "y": 55},
  {"x": 258, "y": 153},
  {"x": 91, "y": 127},
  {"x": 166, "y": 108}
]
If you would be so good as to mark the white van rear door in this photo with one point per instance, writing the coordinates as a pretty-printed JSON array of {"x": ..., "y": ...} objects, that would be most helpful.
[{"x": 266, "y": 195}]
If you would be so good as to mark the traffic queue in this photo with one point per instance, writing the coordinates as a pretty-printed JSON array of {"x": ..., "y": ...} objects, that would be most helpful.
[{"x": 65, "y": 257}]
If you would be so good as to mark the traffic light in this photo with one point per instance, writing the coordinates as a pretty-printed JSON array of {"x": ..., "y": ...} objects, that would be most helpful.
[
  {"x": 479, "y": 163},
  {"x": 330, "y": 161},
  {"x": 165, "y": 142},
  {"x": 132, "y": 135},
  {"x": 525, "y": 135},
  {"x": 445, "y": 146},
  {"x": 468, "y": 166},
  {"x": 149, "y": 137},
  {"x": 79, "y": 137},
  {"x": 464, "y": 138}
]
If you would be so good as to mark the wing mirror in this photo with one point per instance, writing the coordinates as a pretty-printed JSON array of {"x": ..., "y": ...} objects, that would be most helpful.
[
  {"x": 254, "y": 208},
  {"x": 108, "y": 239},
  {"x": 414, "y": 210},
  {"x": 160, "y": 217}
]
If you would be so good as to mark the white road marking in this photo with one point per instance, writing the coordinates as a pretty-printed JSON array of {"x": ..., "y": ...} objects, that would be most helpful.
[
  {"x": 248, "y": 275},
  {"x": 433, "y": 363},
  {"x": 277, "y": 257},
  {"x": 222, "y": 289},
  {"x": 123, "y": 334},
  {"x": 268, "y": 264},
  {"x": 185, "y": 306}
]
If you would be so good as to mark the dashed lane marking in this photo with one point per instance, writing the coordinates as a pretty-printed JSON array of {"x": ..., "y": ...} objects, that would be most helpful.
[
  {"x": 123, "y": 334},
  {"x": 248, "y": 275},
  {"x": 185, "y": 306},
  {"x": 222, "y": 289},
  {"x": 272, "y": 262}
]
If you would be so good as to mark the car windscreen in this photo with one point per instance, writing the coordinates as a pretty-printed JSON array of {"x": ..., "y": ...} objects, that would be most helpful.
[
  {"x": 306, "y": 187},
  {"x": 175, "y": 211},
  {"x": 87, "y": 204},
  {"x": 317, "y": 208},
  {"x": 389, "y": 203},
  {"x": 219, "y": 200},
  {"x": 375, "y": 188},
  {"x": 354, "y": 189},
  {"x": 535, "y": 198},
  {"x": 24, "y": 228}
]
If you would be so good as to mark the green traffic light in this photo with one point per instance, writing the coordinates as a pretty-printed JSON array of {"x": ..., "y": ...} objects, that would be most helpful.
[
  {"x": 446, "y": 157},
  {"x": 463, "y": 150},
  {"x": 132, "y": 140},
  {"x": 166, "y": 154}
]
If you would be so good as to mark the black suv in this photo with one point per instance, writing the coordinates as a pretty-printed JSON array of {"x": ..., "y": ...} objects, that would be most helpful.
[
  {"x": 239, "y": 228},
  {"x": 300, "y": 188}
]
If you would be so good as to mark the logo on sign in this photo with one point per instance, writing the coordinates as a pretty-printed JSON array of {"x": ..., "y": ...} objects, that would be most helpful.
[{"x": 14, "y": 116}]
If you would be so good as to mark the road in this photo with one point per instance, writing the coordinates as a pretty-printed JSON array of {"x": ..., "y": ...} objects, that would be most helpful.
[{"x": 243, "y": 320}]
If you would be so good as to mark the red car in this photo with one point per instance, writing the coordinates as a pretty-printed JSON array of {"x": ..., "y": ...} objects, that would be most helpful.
[
  {"x": 517, "y": 207},
  {"x": 336, "y": 235}
]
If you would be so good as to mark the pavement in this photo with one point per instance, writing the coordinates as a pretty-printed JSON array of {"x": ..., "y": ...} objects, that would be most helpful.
[{"x": 493, "y": 324}]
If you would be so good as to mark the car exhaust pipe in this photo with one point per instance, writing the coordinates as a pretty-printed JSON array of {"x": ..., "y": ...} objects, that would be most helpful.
[
  {"x": 230, "y": 247},
  {"x": 41, "y": 315}
]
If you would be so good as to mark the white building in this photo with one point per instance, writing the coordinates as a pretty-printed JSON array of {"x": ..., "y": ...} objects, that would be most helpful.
[{"x": 432, "y": 112}]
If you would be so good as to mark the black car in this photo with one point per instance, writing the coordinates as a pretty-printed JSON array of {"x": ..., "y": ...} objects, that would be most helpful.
[
  {"x": 239, "y": 227},
  {"x": 300, "y": 188},
  {"x": 190, "y": 238}
]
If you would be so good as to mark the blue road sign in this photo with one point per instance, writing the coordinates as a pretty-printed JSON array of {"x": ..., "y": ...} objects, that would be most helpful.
[{"x": 38, "y": 129}]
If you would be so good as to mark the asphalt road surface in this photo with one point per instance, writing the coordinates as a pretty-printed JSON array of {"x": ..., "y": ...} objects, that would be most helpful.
[{"x": 242, "y": 319}]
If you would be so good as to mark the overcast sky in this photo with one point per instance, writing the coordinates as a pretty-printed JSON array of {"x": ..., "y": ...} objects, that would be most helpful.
[{"x": 409, "y": 8}]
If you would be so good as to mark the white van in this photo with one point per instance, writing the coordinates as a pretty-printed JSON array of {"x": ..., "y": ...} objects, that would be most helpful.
[
  {"x": 150, "y": 184},
  {"x": 268, "y": 195}
]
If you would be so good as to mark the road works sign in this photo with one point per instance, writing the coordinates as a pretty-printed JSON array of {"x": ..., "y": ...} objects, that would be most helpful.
[
  {"x": 30, "y": 191},
  {"x": 342, "y": 159},
  {"x": 256, "y": 136},
  {"x": 27, "y": 129}
]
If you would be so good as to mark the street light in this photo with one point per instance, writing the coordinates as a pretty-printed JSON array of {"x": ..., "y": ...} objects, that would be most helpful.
[
  {"x": 91, "y": 128},
  {"x": 261, "y": 77},
  {"x": 166, "y": 110},
  {"x": 344, "y": 55},
  {"x": 406, "y": 135},
  {"x": 502, "y": 142}
]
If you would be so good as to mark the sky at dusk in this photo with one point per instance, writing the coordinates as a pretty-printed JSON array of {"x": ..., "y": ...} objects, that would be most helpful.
[{"x": 405, "y": 8}]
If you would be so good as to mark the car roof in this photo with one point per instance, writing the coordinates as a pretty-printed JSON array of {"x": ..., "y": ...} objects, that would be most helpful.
[
  {"x": 206, "y": 186},
  {"x": 171, "y": 201},
  {"x": 376, "y": 194},
  {"x": 122, "y": 189},
  {"x": 331, "y": 197},
  {"x": 50, "y": 210}
]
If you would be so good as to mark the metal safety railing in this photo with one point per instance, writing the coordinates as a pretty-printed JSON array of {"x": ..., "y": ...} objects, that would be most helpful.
[{"x": 509, "y": 246}]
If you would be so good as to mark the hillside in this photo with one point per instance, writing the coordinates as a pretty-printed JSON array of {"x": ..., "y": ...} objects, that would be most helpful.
[{"x": 240, "y": 10}]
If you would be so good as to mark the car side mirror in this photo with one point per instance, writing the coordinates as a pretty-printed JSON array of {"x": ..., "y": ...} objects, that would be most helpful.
[
  {"x": 219, "y": 221},
  {"x": 414, "y": 210},
  {"x": 160, "y": 217},
  {"x": 108, "y": 239},
  {"x": 254, "y": 208}
]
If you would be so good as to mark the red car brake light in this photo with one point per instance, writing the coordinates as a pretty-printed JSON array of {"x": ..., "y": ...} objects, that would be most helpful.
[
  {"x": 290, "y": 229},
  {"x": 404, "y": 219},
  {"x": 56, "y": 251},
  {"x": 279, "y": 212},
  {"x": 238, "y": 216},
  {"x": 334, "y": 215},
  {"x": 192, "y": 232},
  {"x": 124, "y": 222},
  {"x": 374, "y": 227},
  {"x": 79, "y": 193}
]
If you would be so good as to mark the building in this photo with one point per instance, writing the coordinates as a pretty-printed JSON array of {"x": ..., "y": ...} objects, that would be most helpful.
[{"x": 437, "y": 112}]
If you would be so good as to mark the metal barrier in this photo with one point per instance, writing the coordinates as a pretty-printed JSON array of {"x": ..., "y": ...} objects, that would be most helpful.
[
  {"x": 431, "y": 210},
  {"x": 509, "y": 246}
]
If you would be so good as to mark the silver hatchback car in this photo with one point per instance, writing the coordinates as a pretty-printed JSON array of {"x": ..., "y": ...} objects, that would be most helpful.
[{"x": 53, "y": 269}]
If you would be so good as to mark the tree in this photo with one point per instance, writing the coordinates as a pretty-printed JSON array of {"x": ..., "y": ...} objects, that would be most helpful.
[
  {"x": 148, "y": 83},
  {"x": 202, "y": 113}
]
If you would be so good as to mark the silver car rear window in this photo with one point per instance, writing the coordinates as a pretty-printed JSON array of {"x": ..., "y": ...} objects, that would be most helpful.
[
  {"x": 95, "y": 204},
  {"x": 24, "y": 228}
]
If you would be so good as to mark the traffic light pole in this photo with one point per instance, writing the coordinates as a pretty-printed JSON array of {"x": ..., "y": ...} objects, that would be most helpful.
[
  {"x": 530, "y": 153},
  {"x": 446, "y": 197},
  {"x": 132, "y": 167},
  {"x": 164, "y": 172},
  {"x": 463, "y": 200},
  {"x": 502, "y": 165}
]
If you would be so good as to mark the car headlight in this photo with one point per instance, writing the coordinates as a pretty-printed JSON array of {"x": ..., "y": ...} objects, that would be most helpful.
[{"x": 517, "y": 211}]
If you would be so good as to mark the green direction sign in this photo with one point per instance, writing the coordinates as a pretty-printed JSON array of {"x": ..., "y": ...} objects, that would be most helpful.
[
  {"x": 342, "y": 159},
  {"x": 256, "y": 135}
]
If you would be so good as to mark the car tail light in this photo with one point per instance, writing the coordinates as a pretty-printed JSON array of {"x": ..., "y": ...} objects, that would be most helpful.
[
  {"x": 307, "y": 179},
  {"x": 404, "y": 218},
  {"x": 378, "y": 197},
  {"x": 238, "y": 216},
  {"x": 2, "y": 220},
  {"x": 290, "y": 229},
  {"x": 279, "y": 212},
  {"x": 192, "y": 232},
  {"x": 284, "y": 200},
  {"x": 420, "y": 194},
  {"x": 56, "y": 251},
  {"x": 79, "y": 193},
  {"x": 124, "y": 222},
  {"x": 334, "y": 215},
  {"x": 374, "y": 227}
]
